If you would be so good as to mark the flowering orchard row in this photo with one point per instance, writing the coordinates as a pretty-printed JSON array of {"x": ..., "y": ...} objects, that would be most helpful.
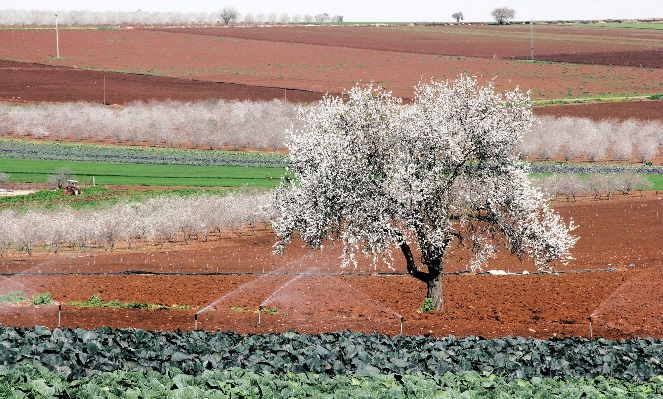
[
  {"x": 156, "y": 219},
  {"x": 206, "y": 124},
  {"x": 595, "y": 184},
  {"x": 101, "y": 18},
  {"x": 264, "y": 125},
  {"x": 572, "y": 138}
]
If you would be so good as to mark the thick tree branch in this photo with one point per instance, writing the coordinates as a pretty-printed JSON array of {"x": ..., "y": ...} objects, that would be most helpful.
[{"x": 411, "y": 267}]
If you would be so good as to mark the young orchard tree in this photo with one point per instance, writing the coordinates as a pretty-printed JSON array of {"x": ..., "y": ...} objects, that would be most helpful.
[
  {"x": 424, "y": 178},
  {"x": 228, "y": 15},
  {"x": 503, "y": 15},
  {"x": 60, "y": 177}
]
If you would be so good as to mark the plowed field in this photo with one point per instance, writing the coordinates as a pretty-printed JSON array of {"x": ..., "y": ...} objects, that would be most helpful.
[
  {"x": 333, "y": 59},
  {"x": 615, "y": 279}
]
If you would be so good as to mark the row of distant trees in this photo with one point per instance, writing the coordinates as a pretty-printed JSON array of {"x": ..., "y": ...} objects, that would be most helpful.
[
  {"x": 596, "y": 185},
  {"x": 263, "y": 125},
  {"x": 571, "y": 138},
  {"x": 156, "y": 220},
  {"x": 83, "y": 17},
  {"x": 212, "y": 124},
  {"x": 501, "y": 15}
]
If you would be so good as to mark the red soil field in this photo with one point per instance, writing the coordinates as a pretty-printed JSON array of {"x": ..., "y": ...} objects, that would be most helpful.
[
  {"x": 328, "y": 68},
  {"x": 643, "y": 110},
  {"x": 615, "y": 279},
  {"x": 586, "y": 45},
  {"x": 27, "y": 82}
]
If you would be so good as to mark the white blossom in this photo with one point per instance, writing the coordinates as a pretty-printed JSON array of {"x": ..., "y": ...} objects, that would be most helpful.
[{"x": 438, "y": 173}]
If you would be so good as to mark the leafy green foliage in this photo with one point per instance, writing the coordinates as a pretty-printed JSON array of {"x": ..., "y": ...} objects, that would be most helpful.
[
  {"x": 40, "y": 382},
  {"x": 12, "y": 297},
  {"x": 96, "y": 302},
  {"x": 42, "y": 299},
  {"x": 656, "y": 97},
  {"x": 428, "y": 306},
  {"x": 76, "y": 353},
  {"x": 59, "y": 151}
]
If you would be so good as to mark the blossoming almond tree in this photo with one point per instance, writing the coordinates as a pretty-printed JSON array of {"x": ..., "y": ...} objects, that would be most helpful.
[{"x": 439, "y": 173}]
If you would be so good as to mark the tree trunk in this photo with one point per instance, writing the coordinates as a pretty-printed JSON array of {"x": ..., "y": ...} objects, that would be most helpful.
[
  {"x": 432, "y": 278},
  {"x": 435, "y": 290}
]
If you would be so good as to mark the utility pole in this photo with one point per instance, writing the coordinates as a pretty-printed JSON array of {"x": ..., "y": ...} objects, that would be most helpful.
[
  {"x": 57, "y": 37},
  {"x": 531, "y": 39}
]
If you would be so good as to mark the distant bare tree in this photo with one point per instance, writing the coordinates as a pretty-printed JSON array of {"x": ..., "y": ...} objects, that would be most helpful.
[
  {"x": 284, "y": 18},
  {"x": 261, "y": 18},
  {"x": 249, "y": 18},
  {"x": 60, "y": 177},
  {"x": 295, "y": 19},
  {"x": 337, "y": 18},
  {"x": 308, "y": 18},
  {"x": 322, "y": 17},
  {"x": 272, "y": 18},
  {"x": 458, "y": 16},
  {"x": 228, "y": 15},
  {"x": 503, "y": 15}
]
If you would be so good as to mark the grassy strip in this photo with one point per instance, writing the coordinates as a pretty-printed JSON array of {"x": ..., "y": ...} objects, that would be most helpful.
[
  {"x": 635, "y": 25},
  {"x": 35, "y": 381},
  {"x": 38, "y": 171},
  {"x": 655, "y": 179},
  {"x": 96, "y": 302},
  {"x": 93, "y": 197}
]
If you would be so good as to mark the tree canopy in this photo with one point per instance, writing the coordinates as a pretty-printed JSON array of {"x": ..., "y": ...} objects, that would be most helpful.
[
  {"x": 502, "y": 15},
  {"x": 439, "y": 173}
]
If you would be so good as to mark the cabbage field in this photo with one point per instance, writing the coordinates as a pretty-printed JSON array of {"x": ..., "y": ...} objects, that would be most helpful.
[{"x": 106, "y": 363}]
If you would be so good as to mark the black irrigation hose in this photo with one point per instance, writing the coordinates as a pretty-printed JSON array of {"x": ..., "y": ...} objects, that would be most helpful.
[{"x": 286, "y": 273}]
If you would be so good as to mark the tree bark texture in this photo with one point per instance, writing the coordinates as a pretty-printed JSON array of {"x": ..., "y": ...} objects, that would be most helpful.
[{"x": 432, "y": 278}]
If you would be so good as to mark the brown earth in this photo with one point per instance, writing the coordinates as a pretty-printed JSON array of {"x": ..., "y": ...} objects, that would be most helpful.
[
  {"x": 27, "y": 82},
  {"x": 561, "y": 43},
  {"x": 615, "y": 279},
  {"x": 334, "y": 66},
  {"x": 642, "y": 110}
]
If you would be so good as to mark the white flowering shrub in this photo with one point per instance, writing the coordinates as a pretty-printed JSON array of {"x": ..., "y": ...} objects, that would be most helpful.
[{"x": 438, "y": 173}]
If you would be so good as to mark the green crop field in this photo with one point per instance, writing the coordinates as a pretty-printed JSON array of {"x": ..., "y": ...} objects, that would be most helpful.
[
  {"x": 38, "y": 171},
  {"x": 629, "y": 25}
]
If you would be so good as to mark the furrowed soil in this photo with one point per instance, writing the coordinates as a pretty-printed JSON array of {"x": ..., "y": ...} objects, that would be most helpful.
[
  {"x": 615, "y": 279},
  {"x": 333, "y": 59}
]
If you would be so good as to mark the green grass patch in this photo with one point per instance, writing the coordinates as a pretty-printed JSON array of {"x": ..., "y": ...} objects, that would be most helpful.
[
  {"x": 106, "y": 173},
  {"x": 12, "y": 297},
  {"x": 94, "y": 196},
  {"x": 17, "y": 297},
  {"x": 96, "y": 302},
  {"x": 655, "y": 179},
  {"x": 637, "y": 25}
]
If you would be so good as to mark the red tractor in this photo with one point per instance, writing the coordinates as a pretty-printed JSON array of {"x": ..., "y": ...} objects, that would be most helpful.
[{"x": 72, "y": 188}]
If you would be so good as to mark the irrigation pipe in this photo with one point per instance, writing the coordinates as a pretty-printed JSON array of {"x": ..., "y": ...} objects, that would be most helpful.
[{"x": 292, "y": 273}]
